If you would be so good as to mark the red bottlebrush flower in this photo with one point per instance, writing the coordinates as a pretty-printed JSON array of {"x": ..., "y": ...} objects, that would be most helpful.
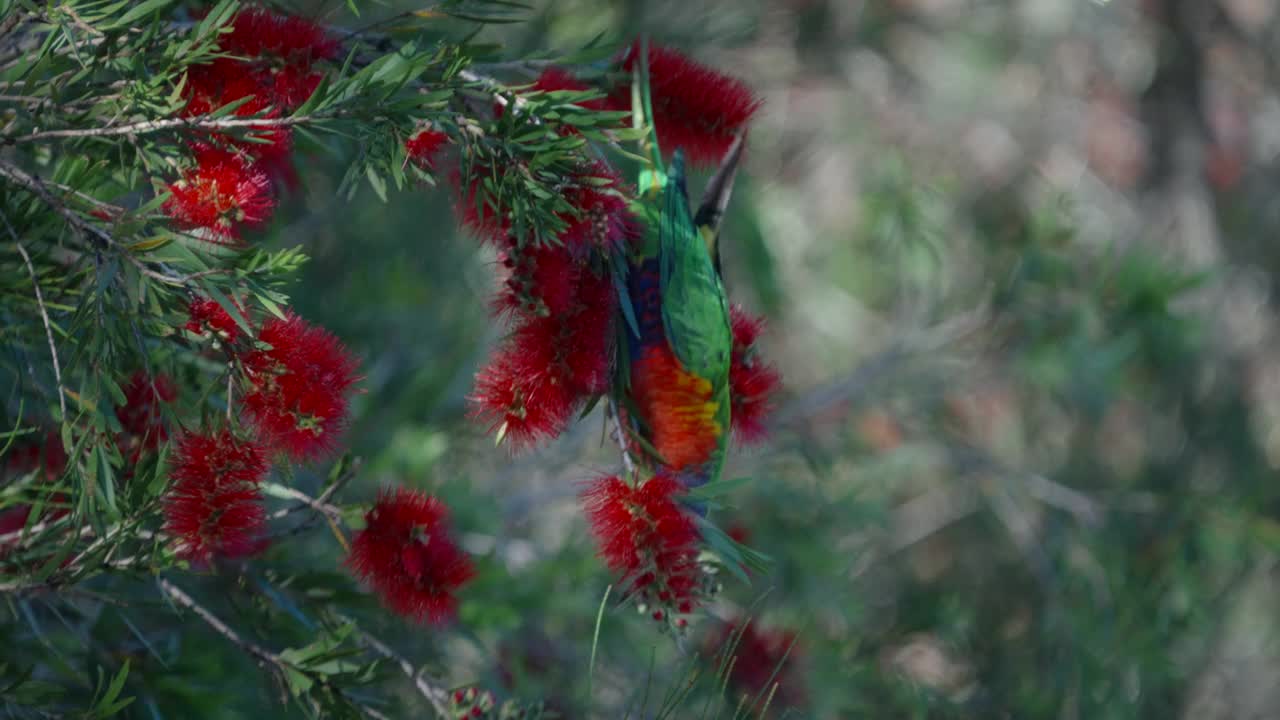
[
  {"x": 222, "y": 193},
  {"x": 558, "y": 355},
  {"x": 140, "y": 414},
  {"x": 291, "y": 85},
  {"x": 299, "y": 387},
  {"x": 587, "y": 348},
  {"x": 542, "y": 280},
  {"x": 221, "y": 82},
  {"x": 485, "y": 222},
  {"x": 218, "y": 459},
  {"x": 13, "y": 520},
  {"x": 214, "y": 508},
  {"x": 603, "y": 220},
  {"x": 215, "y": 521},
  {"x": 644, "y": 533},
  {"x": 48, "y": 456},
  {"x": 257, "y": 32},
  {"x": 522, "y": 393},
  {"x": 762, "y": 658},
  {"x": 753, "y": 383},
  {"x": 205, "y": 315},
  {"x": 424, "y": 145},
  {"x": 694, "y": 107},
  {"x": 405, "y": 553}
]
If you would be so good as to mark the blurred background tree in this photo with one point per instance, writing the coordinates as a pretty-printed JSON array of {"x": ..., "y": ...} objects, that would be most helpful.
[{"x": 1014, "y": 260}]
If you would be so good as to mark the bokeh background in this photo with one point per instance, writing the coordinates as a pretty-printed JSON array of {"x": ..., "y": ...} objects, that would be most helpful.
[{"x": 1017, "y": 258}]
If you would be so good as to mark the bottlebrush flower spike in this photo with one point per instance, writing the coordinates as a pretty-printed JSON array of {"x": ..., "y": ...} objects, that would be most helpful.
[
  {"x": 51, "y": 460},
  {"x": 299, "y": 387},
  {"x": 541, "y": 280},
  {"x": 279, "y": 52},
  {"x": 486, "y": 223},
  {"x": 559, "y": 353},
  {"x": 222, "y": 193},
  {"x": 644, "y": 533},
  {"x": 405, "y": 553},
  {"x": 694, "y": 107},
  {"x": 522, "y": 393},
  {"x": 753, "y": 383},
  {"x": 257, "y": 32},
  {"x": 214, "y": 509},
  {"x": 140, "y": 416},
  {"x": 224, "y": 81},
  {"x": 588, "y": 337},
  {"x": 603, "y": 220},
  {"x": 423, "y": 147},
  {"x": 205, "y": 315},
  {"x": 47, "y": 456}
]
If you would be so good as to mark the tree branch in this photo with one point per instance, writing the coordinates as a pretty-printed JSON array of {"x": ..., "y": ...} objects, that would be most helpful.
[
  {"x": 185, "y": 600},
  {"x": 620, "y": 437},
  {"x": 438, "y": 698},
  {"x": 144, "y": 127}
]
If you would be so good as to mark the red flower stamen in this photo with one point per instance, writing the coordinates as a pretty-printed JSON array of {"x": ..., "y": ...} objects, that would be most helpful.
[
  {"x": 222, "y": 193},
  {"x": 644, "y": 533},
  {"x": 695, "y": 107},
  {"x": 140, "y": 415},
  {"x": 299, "y": 387},
  {"x": 205, "y": 315},
  {"x": 423, "y": 147},
  {"x": 753, "y": 383}
]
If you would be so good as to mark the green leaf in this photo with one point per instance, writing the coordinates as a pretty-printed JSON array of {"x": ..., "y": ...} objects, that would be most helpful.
[
  {"x": 139, "y": 11},
  {"x": 108, "y": 706},
  {"x": 377, "y": 183}
]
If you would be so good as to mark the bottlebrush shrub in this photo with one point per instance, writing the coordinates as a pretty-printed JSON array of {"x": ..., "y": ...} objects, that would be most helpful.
[{"x": 169, "y": 414}]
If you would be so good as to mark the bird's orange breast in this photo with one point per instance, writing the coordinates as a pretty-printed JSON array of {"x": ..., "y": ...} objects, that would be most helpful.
[{"x": 676, "y": 406}]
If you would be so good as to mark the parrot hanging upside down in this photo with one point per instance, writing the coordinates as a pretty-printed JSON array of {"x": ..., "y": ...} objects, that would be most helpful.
[{"x": 676, "y": 354}]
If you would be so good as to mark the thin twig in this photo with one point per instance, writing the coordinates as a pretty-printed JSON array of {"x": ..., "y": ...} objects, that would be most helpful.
[
  {"x": 185, "y": 600},
  {"x": 620, "y": 437},
  {"x": 44, "y": 315},
  {"x": 144, "y": 127},
  {"x": 437, "y": 697},
  {"x": 63, "y": 585},
  {"x": 36, "y": 186},
  {"x": 39, "y": 527},
  {"x": 331, "y": 514}
]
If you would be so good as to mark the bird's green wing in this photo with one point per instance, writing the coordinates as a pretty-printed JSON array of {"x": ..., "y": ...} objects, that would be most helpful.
[{"x": 695, "y": 313}]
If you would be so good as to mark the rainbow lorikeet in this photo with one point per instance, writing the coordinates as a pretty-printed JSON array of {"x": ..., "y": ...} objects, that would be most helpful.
[{"x": 674, "y": 363}]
